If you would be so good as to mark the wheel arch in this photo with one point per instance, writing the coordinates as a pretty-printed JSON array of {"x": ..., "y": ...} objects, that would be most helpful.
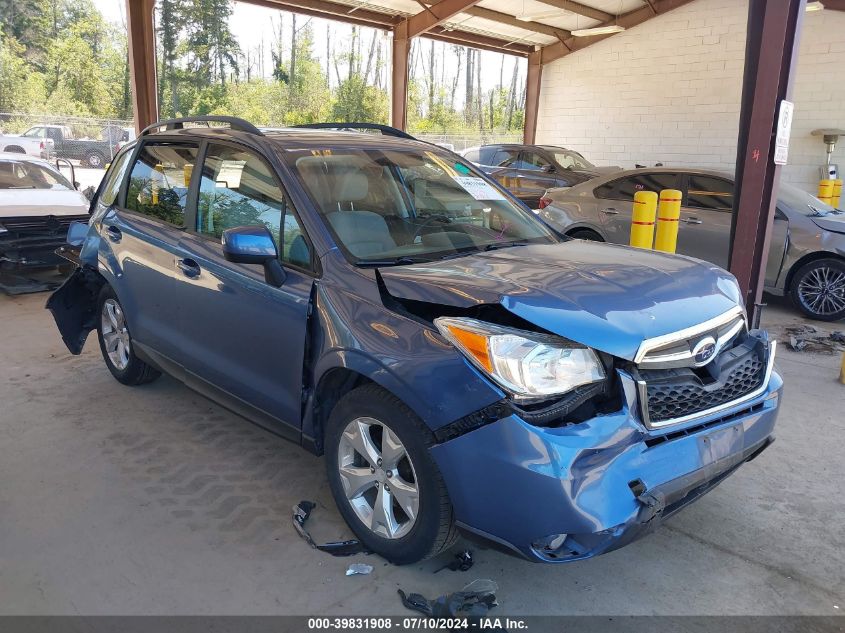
[
  {"x": 585, "y": 229},
  {"x": 806, "y": 259},
  {"x": 15, "y": 149},
  {"x": 347, "y": 371}
]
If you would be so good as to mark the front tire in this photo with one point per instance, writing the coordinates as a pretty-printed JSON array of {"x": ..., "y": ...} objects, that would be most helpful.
[
  {"x": 384, "y": 481},
  {"x": 116, "y": 342},
  {"x": 818, "y": 289}
]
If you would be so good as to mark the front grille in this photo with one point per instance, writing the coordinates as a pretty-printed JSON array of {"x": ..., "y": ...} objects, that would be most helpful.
[{"x": 686, "y": 394}]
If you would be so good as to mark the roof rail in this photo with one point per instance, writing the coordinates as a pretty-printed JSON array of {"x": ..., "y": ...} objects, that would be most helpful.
[
  {"x": 384, "y": 129},
  {"x": 177, "y": 124}
]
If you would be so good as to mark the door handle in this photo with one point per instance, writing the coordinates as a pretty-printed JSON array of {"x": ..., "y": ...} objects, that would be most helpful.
[
  {"x": 114, "y": 234},
  {"x": 188, "y": 267},
  {"x": 691, "y": 221},
  {"x": 610, "y": 211}
]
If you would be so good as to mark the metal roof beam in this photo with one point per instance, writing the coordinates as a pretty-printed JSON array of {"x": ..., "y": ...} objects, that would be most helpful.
[
  {"x": 435, "y": 15},
  {"x": 628, "y": 20},
  {"x": 580, "y": 9}
]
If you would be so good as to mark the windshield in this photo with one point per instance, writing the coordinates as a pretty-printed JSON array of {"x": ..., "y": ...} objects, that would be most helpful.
[
  {"x": 803, "y": 202},
  {"x": 571, "y": 160},
  {"x": 15, "y": 174},
  {"x": 395, "y": 207}
]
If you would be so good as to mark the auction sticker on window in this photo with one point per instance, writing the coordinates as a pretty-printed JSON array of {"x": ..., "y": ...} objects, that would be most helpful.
[{"x": 478, "y": 188}]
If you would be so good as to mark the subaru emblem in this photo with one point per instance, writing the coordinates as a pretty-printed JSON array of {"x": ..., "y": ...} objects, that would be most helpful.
[{"x": 704, "y": 351}]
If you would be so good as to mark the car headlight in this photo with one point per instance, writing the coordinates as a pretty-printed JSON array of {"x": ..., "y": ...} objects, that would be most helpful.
[{"x": 528, "y": 365}]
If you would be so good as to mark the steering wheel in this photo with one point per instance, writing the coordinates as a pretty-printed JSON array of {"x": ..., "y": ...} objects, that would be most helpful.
[{"x": 445, "y": 219}]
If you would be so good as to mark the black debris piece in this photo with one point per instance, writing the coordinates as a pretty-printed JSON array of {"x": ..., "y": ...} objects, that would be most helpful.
[
  {"x": 806, "y": 338},
  {"x": 301, "y": 512},
  {"x": 474, "y": 601},
  {"x": 463, "y": 562}
]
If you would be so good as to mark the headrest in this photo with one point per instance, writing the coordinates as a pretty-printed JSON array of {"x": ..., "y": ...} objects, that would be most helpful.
[{"x": 351, "y": 186}]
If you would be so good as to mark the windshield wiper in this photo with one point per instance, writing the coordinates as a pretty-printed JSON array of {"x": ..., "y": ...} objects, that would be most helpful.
[
  {"x": 395, "y": 261},
  {"x": 498, "y": 245}
]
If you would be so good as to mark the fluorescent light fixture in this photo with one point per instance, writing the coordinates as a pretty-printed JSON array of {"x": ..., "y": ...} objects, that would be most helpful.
[
  {"x": 599, "y": 30},
  {"x": 528, "y": 17},
  {"x": 814, "y": 6}
]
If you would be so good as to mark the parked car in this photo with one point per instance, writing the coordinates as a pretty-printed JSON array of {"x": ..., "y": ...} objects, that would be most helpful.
[
  {"x": 528, "y": 170},
  {"x": 807, "y": 252},
  {"x": 90, "y": 152},
  {"x": 31, "y": 146},
  {"x": 380, "y": 301},
  {"x": 37, "y": 205}
]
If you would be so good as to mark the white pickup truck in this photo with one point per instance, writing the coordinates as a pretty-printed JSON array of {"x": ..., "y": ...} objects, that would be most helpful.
[{"x": 25, "y": 144}]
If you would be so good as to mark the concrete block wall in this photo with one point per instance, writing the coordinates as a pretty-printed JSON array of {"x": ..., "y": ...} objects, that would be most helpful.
[{"x": 669, "y": 91}]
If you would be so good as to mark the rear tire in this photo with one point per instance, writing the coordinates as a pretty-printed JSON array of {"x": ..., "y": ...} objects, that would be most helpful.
[
  {"x": 585, "y": 234},
  {"x": 116, "y": 342},
  {"x": 361, "y": 484},
  {"x": 95, "y": 160},
  {"x": 818, "y": 289}
]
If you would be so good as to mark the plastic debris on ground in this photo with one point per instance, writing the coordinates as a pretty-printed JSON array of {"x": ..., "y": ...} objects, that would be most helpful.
[
  {"x": 806, "y": 338},
  {"x": 359, "y": 569},
  {"x": 474, "y": 601},
  {"x": 463, "y": 562},
  {"x": 301, "y": 512}
]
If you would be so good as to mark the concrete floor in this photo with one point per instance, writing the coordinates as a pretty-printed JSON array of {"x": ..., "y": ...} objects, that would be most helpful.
[{"x": 154, "y": 500}]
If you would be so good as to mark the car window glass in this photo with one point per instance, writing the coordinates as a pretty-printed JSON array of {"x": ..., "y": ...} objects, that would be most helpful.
[
  {"x": 474, "y": 155},
  {"x": 114, "y": 178},
  {"x": 625, "y": 188},
  {"x": 238, "y": 188},
  {"x": 16, "y": 174},
  {"x": 36, "y": 132},
  {"x": 504, "y": 158},
  {"x": 707, "y": 192},
  {"x": 532, "y": 161},
  {"x": 159, "y": 181},
  {"x": 572, "y": 160}
]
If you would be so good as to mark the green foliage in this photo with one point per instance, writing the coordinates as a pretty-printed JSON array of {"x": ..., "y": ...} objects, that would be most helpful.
[
  {"x": 357, "y": 101},
  {"x": 61, "y": 56}
]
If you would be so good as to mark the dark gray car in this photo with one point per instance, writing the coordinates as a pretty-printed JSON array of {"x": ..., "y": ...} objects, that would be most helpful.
[
  {"x": 807, "y": 254},
  {"x": 528, "y": 170}
]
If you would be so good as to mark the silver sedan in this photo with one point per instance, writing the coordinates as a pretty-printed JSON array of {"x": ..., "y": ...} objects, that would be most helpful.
[{"x": 807, "y": 254}]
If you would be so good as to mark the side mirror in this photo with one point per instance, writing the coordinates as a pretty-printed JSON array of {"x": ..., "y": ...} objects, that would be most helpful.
[
  {"x": 76, "y": 233},
  {"x": 254, "y": 245},
  {"x": 549, "y": 169}
]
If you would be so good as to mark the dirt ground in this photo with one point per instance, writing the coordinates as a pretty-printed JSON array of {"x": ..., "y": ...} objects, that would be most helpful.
[{"x": 153, "y": 500}]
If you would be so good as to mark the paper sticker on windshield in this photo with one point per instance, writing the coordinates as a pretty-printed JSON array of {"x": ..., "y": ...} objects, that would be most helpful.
[
  {"x": 478, "y": 188},
  {"x": 230, "y": 172}
]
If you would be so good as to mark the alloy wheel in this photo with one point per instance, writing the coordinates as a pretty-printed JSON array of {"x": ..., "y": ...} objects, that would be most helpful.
[
  {"x": 378, "y": 478},
  {"x": 822, "y": 291},
  {"x": 115, "y": 335}
]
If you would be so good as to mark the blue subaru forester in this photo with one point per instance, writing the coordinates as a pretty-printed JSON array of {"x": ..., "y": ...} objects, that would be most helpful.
[{"x": 380, "y": 301}]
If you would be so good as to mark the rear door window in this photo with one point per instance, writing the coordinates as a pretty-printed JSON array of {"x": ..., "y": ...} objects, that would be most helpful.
[
  {"x": 709, "y": 192},
  {"x": 504, "y": 158},
  {"x": 625, "y": 188},
  {"x": 160, "y": 180}
]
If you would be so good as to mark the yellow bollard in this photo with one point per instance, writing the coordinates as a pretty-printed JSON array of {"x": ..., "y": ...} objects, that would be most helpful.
[
  {"x": 837, "y": 193},
  {"x": 842, "y": 371},
  {"x": 826, "y": 191},
  {"x": 154, "y": 185},
  {"x": 642, "y": 219},
  {"x": 668, "y": 214}
]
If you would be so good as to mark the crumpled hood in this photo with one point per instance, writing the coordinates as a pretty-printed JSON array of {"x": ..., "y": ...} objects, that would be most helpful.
[
  {"x": 16, "y": 203},
  {"x": 607, "y": 297},
  {"x": 835, "y": 223}
]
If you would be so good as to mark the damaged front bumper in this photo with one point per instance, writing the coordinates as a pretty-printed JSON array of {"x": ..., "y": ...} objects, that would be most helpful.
[{"x": 569, "y": 493}]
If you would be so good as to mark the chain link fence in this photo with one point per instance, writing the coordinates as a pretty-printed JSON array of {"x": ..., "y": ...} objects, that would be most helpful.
[{"x": 459, "y": 141}]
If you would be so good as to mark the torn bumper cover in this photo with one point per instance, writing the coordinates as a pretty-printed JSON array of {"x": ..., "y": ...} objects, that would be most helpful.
[
  {"x": 31, "y": 242},
  {"x": 577, "y": 491}
]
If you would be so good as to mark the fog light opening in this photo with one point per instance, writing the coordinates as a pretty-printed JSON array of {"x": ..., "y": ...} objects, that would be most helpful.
[{"x": 552, "y": 546}]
